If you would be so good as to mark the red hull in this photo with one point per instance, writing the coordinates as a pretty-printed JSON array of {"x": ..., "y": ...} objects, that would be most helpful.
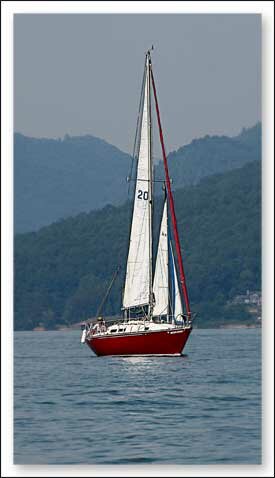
[{"x": 149, "y": 343}]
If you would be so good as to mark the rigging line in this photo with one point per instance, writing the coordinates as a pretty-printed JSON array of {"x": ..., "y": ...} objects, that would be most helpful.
[
  {"x": 171, "y": 204},
  {"x": 138, "y": 126},
  {"x": 108, "y": 291},
  {"x": 150, "y": 184},
  {"x": 170, "y": 301},
  {"x": 163, "y": 275},
  {"x": 174, "y": 267},
  {"x": 163, "y": 267},
  {"x": 146, "y": 180},
  {"x": 162, "y": 264}
]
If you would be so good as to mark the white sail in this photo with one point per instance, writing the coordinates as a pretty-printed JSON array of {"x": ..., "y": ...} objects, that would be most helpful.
[
  {"x": 138, "y": 272},
  {"x": 177, "y": 309},
  {"x": 161, "y": 284}
]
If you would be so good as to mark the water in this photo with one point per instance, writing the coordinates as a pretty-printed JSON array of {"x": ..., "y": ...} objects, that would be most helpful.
[{"x": 203, "y": 408}]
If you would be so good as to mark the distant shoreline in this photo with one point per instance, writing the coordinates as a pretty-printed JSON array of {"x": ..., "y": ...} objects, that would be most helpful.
[{"x": 74, "y": 328}]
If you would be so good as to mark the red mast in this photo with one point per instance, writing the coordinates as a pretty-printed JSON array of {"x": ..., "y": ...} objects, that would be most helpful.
[{"x": 172, "y": 207}]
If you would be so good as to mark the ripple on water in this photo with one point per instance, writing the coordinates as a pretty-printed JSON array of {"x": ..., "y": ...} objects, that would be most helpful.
[{"x": 201, "y": 408}]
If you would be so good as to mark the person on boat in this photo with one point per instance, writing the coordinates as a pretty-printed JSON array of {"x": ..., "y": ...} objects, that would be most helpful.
[
  {"x": 181, "y": 319},
  {"x": 100, "y": 326},
  {"x": 103, "y": 326},
  {"x": 96, "y": 328},
  {"x": 184, "y": 319}
]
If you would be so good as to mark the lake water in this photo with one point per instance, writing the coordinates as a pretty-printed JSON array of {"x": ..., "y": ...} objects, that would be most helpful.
[{"x": 203, "y": 408}]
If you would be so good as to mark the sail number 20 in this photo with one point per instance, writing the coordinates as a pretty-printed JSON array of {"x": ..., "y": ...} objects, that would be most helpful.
[{"x": 142, "y": 194}]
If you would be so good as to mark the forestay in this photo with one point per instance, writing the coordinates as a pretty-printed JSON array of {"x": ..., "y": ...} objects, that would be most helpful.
[{"x": 137, "y": 282}]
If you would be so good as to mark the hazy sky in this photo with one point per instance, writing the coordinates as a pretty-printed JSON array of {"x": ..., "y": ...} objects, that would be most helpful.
[{"x": 81, "y": 74}]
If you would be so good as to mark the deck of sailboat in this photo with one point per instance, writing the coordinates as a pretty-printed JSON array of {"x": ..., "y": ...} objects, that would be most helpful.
[
  {"x": 138, "y": 327},
  {"x": 160, "y": 341}
]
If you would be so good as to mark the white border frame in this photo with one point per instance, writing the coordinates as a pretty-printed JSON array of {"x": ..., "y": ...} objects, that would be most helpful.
[{"x": 9, "y": 8}]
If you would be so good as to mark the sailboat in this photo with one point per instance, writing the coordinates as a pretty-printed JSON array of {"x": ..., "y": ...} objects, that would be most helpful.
[{"x": 154, "y": 320}]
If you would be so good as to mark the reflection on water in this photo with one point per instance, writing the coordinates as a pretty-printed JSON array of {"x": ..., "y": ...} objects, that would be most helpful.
[{"x": 137, "y": 360}]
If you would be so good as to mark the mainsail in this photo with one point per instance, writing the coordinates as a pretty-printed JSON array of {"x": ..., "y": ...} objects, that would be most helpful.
[
  {"x": 161, "y": 280},
  {"x": 138, "y": 282}
]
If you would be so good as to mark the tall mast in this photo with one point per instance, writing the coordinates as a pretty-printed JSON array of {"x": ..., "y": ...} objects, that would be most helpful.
[
  {"x": 172, "y": 207},
  {"x": 150, "y": 185}
]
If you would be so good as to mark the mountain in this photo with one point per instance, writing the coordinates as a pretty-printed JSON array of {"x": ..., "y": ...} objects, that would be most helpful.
[
  {"x": 55, "y": 179},
  {"x": 62, "y": 271},
  {"x": 211, "y": 155}
]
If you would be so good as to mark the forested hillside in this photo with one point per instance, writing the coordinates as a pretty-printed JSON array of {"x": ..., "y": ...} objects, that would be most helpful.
[
  {"x": 213, "y": 154},
  {"x": 55, "y": 179},
  {"x": 61, "y": 271}
]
